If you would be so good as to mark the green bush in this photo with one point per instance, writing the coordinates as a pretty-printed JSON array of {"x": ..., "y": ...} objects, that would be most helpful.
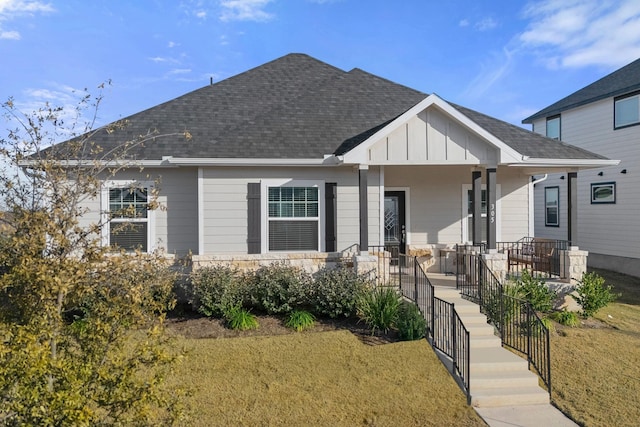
[
  {"x": 279, "y": 288},
  {"x": 536, "y": 292},
  {"x": 593, "y": 294},
  {"x": 300, "y": 320},
  {"x": 335, "y": 291},
  {"x": 240, "y": 319},
  {"x": 410, "y": 323},
  {"x": 216, "y": 289},
  {"x": 378, "y": 308},
  {"x": 567, "y": 318}
]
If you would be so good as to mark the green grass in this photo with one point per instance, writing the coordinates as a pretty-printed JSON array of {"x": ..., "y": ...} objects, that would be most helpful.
[
  {"x": 596, "y": 379},
  {"x": 319, "y": 379}
]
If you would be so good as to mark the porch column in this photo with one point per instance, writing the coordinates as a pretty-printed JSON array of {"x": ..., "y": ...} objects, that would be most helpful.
[
  {"x": 572, "y": 207},
  {"x": 364, "y": 214},
  {"x": 476, "y": 206},
  {"x": 491, "y": 208}
]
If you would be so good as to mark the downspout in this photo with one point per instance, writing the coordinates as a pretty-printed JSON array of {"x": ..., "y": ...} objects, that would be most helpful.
[{"x": 531, "y": 204}]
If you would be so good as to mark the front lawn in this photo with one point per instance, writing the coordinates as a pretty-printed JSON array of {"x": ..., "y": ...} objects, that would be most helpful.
[
  {"x": 319, "y": 379},
  {"x": 596, "y": 367}
]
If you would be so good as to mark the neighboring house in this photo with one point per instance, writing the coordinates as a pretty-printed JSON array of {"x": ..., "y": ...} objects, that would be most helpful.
[
  {"x": 297, "y": 159},
  {"x": 603, "y": 117}
]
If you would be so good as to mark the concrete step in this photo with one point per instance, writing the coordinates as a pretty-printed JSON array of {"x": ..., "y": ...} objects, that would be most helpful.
[
  {"x": 479, "y": 329},
  {"x": 446, "y": 292},
  {"x": 510, "y": 397},
  {"x": 495, "y": 360},
  {"x": 485, "y": 341},
  {"x": 504, "y": 379},
  {"x": 463, "y": 306},
  {"x": 472, "y": 318}
]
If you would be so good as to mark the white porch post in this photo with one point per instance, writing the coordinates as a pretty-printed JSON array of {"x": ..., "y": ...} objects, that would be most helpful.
[
  {"x": 572, "y": 207},
  {"x": 364, "y": 208},
  {"x": 476, "y": 206},
  {"x": 491, "y": 208}
]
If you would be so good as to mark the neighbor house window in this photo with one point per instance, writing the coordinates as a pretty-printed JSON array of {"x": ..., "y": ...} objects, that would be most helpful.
[
  {"x": 127, "y": 214},
  {"x": 626, "y": 110},
  {"x": 551, "y": 206},
  {"x": 293, "y": 216},
  {"x": 553, "y": 127},
  {"x": 603, "y": 192}
]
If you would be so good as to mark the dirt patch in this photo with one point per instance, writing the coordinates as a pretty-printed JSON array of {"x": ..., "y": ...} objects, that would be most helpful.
[{"x": 194, "y": 325}]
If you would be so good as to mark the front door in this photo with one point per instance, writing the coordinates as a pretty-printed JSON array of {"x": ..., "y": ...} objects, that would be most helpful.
[{"x": 394, "y": 223}]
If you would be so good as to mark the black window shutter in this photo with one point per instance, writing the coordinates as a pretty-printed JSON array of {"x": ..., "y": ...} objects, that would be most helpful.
[
  {"x": 331, "y": 212},
  {"x": 253, "y": 218}
]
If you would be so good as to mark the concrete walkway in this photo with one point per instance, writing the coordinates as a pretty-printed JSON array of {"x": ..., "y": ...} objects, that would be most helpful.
[
  {"x": 515, "y": 415},
  {"x": 525, "y": 416}
]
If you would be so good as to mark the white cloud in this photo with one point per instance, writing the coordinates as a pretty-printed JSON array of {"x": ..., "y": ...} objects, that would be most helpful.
[
  {"x": 172, "y": 44},
  {"x": 161, "y": 59},
  {"x": 245, "y": 10},
  {"x": 12, "y": 9},
  {"x": 463, "y": 23},
  {"x": 578, "y": 33},
  {"x": 492, "y": 71},
  {"x": 202, "y": 14},
  {"x": 486, "y": 24}
]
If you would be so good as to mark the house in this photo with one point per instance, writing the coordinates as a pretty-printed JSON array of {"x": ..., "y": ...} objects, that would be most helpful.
[
  {"x": 299, "y": 160},
  {"x": 604, "y": 117}
]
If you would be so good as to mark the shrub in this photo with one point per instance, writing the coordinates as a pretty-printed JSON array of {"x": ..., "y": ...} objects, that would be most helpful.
[
  {"x": 410, "y": 323},
  {"x": 215, "y": 290},
  {"x": 567, "y": 318},
  {"x": 378, "y": 308},
  {"x": 300, "y": 320},
  {"x": 593, "y": 294},
  {"x": 536, "y": 292},
  {"x": 335, "y": 291},
  {"x": 240, "y": 319},
  {"x": 279, "y": 288}
]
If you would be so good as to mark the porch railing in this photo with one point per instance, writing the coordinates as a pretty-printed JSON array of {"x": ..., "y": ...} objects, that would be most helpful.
[
  {"x": 541, "y": 257},
  {"x": 519, "y": 325},
  {"x": 445, "y": 330}
]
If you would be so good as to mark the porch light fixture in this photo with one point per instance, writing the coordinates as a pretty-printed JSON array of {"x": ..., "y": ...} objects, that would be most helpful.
[
  {"x": 600, "y": 173},
  {"x": 623, "y": 171},
  {"x": 562, "y": 177}
]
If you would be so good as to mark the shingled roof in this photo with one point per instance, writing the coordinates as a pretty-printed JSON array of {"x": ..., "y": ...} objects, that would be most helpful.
[
  {"x": 624, "y": 80},
  {"x": 294, "y": 107}
]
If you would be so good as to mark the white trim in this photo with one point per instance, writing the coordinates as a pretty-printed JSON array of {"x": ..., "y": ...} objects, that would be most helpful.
[
  {"x": 104, "y": 210},
  {"x": 264, "y": 208},
  {"x": 381, "y": 208},
  {"x": 532, "y": 212},
  {"x": 584, "y": 163},
  {"x": 187, "y": 161},
  {"x": 359, "y": 153},
  {"x": 200, "y": 211},
  {"x": 465, "y": 215},
  {"x": 407, "y": 212}
]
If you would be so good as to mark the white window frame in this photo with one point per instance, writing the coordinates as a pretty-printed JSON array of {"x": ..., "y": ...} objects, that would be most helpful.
[
  {"x": 104, "y": 210},
  {"x": 264, "y": 214},
  {"x": 626, "y": 98},
  {"x": 466, "y": 215}
]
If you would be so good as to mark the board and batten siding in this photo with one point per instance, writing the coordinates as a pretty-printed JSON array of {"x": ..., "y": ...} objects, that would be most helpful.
[
  {"x": 432, "y": 137},
  {"x": 224, "y": 204},
  {"x": 608, "y": 229}
]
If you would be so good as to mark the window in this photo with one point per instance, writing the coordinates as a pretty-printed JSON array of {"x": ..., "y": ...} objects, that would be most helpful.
[
  {"x": 603, "y": 192},
  {"x": 293, "y": 216},
  {"x": 553, "y": 127},
  {"x": 626, "y": 111},
  {"x": 551, "y": 206},
  {"x": 127, "y": 216}
]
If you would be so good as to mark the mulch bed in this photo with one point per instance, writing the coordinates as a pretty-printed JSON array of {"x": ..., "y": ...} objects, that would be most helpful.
[{"x": 193, "y": 325}]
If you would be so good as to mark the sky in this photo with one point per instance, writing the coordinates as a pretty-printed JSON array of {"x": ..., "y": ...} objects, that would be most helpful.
[{"x": 505, "y": 58}]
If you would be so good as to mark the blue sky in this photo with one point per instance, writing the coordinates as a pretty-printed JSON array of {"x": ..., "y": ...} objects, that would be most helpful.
[{"x": 504, "y": 58}]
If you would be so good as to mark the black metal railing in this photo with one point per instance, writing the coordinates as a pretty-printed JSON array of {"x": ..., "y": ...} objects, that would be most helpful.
[
  {"x": 519, "y": 325},
  {"x": 445, "y": 330},
  {"x": 541, "y": 257}
]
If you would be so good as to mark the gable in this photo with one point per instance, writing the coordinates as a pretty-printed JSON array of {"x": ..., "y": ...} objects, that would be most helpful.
[{"x": 432, "y": 137}]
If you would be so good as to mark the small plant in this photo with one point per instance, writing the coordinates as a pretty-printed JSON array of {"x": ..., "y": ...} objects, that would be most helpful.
[
  {"x": 335, "y": 291},
  {"x": 566, "y": 318},
  {"x": 215, "y": 290},
  {"x": 240, "y": 319},
  {"x": 378, "y": 308},
  {"x": 300, "y": 320},
  {"x": 410, "y": 323},
  {"x": 536, "y": 292},
  {"x": 279, "y": 288},
  {"x": 593, "y": 294}
]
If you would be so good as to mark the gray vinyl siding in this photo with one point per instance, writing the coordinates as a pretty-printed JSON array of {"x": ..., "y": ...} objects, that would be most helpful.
[
  {"x": 608, "y": 229},
  {"x": 225, "y": 203}
]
